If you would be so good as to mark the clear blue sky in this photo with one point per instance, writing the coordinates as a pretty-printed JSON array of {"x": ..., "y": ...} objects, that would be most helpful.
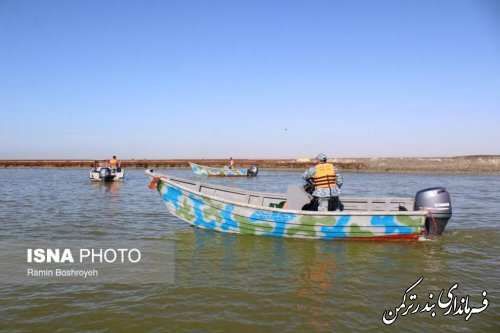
[{"x": 256, "y": 79}]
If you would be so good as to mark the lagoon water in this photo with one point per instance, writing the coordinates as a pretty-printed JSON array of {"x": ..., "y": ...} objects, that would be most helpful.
[{"x": 232, "y": 283}]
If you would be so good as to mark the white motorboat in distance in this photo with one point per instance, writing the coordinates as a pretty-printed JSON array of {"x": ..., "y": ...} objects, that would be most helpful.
[{"x": 102, "y": 172}]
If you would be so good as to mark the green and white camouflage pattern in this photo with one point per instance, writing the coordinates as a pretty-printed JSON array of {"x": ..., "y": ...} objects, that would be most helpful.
[
  {"x": 208, "y": 212},
  {"x": 205, "y": 171}
]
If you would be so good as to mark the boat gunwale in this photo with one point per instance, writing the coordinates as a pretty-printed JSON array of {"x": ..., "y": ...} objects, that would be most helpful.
[{"x": 171, "y": 180}]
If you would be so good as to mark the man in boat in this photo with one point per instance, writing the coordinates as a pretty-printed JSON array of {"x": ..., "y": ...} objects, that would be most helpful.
[
  {"x": 113, "y": 163},
  {"x": 231, "y": 163},
  {"x": 327, "y": 181}
]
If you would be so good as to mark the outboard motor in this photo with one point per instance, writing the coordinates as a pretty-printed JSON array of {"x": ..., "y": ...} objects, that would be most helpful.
[
  {"x": 105, "y": 174},
  {"x": 437, "y": 201},
  {"x": 253, "y": 171}
]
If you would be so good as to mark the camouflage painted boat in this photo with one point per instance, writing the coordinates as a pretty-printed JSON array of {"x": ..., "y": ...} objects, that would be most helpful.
[
  {"x": 240, "y": 211},
  {"x": 205, "y": 171}
]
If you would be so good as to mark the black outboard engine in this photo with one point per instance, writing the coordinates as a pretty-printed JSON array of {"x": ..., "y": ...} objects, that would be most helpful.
[
  {"x": 437, "y": 201},
  {"x": 253, "y": 171},
  {"x": 105, "y": 174}
]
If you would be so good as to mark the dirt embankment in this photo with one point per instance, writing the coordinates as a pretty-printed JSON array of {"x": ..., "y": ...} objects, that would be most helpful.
[
  {"x": 261, "y": 163},
  {"x": 461, "y": 164}
]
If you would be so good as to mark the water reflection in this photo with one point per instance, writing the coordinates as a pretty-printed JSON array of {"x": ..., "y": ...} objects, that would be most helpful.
[
  {"x": 109, "y": 195},
  {"x": 110, "y": 187},
  {"x": 316, "y": 260},
  {"x": 318, "y": 276},
  {"x": 113, "y": 187}
]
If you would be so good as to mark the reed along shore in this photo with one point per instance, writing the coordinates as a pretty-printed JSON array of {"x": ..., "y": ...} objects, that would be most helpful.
[{"x": 459, "y": 164}]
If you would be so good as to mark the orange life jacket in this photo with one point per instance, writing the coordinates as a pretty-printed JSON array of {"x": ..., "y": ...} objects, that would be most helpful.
[
  {"x": 112, "y": 163},
  {"x": 325, "y": 176}
]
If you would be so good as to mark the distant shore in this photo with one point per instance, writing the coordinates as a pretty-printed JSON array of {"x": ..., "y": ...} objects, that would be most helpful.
[{"x": 459, "y": 164}]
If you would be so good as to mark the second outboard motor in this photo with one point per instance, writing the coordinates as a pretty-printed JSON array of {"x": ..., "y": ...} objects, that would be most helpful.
[
  {"x": 253, "y": 171},
  {"x": 437, "y": 201},
  {"x": 105, "y": 174}
]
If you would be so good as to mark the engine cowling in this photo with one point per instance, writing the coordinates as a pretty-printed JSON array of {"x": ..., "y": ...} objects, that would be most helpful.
[
  {"x": 437, "y": 201},
  {"x": 253, "y": 171},
  {"x": 105, "y": 174}
]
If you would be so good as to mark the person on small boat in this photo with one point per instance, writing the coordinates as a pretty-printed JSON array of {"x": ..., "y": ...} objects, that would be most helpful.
[
  {"x": 113, "y": 163},
  {"x": 327, "y": 181},
  {"x": 231, "y": 163}
]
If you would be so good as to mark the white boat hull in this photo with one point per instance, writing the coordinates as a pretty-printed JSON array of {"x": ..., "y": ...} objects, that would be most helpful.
[{"x": 101, "y": 174}]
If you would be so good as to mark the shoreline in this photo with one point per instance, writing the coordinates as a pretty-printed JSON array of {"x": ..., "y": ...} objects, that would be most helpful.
[{"x": 482, "y": 164}]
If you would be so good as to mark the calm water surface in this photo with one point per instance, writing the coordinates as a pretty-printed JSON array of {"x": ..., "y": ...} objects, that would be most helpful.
[{"x": 231, "y": 283}]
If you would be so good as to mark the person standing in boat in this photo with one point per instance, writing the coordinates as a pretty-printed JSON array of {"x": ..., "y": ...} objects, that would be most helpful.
[
  {"x": 113, "y": 163},
  {"x": 231, "y": 163},
  {"x": 327, "y": 181}
]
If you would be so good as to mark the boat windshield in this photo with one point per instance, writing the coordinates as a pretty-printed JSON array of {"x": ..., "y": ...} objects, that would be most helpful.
[{"x": 101, "y": 163}]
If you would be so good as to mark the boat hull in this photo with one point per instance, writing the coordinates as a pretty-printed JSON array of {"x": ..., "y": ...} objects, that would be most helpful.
[
  {"x": 205, "y": 171},
  {"x": 207, "y": 212},
  {"x": 114, "y": 175}
]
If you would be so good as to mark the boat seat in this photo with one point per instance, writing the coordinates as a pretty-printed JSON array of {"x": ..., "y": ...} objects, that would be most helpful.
[{"x": 297, "y": 197}]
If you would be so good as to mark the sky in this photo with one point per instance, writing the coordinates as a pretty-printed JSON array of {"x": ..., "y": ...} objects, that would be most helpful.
[{"x": 249, "y": 79}]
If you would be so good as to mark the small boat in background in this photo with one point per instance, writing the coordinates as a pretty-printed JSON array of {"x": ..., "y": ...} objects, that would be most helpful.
[
  {"x": 241, "y": 211},
  {"x": 206, "y": 171},
  {"x": 102, "y": 172}
]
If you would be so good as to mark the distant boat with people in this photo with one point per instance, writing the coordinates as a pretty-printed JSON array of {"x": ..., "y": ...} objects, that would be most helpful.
[
  {"x": 241, "y": 211},
  {"x": 206, "y": 171},
  {"x": 102, "y": 171}
]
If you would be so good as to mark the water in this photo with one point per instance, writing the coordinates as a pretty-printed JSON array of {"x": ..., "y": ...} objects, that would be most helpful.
[{"x": 231, "y": 283}]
